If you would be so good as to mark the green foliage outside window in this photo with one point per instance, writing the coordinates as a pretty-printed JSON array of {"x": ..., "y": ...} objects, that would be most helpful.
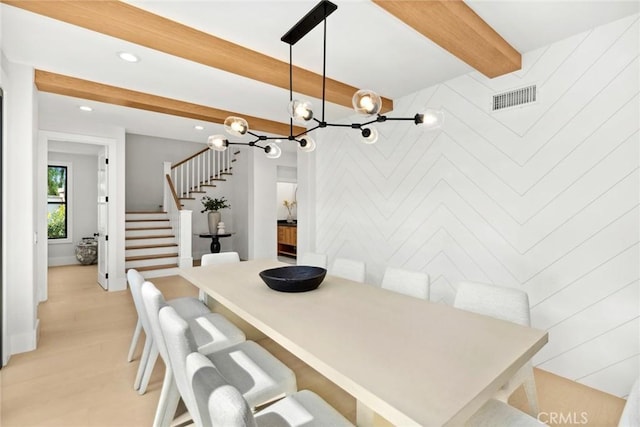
[
  {"x": 57, "y": 178},
  {"x": 57, "y": 223},
  {"x": 57, "y": 201}
]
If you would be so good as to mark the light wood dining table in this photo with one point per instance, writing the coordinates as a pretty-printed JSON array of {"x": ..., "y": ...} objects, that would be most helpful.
[{"x": 411, "y": 361}]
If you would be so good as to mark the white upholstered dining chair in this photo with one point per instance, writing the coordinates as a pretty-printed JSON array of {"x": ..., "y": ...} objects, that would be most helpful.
[
  {"x": 507, "y": 304},
  {"x": 217, "y": 259},
  {"x": 497, "y": 413},
  {"x": 411, "y": 283},
  {"x": 258, "y": 375},
  {"x": 313, "y": 259},
  {"x": 211, "y": 332},
  {"x": 348, "y": 269},
  {"x": 187, "y": 307},
  {"x": 220, "y": 404}
]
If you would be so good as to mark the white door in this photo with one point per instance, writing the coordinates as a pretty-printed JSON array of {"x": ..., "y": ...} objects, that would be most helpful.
[{"x": 103, "y": 232}]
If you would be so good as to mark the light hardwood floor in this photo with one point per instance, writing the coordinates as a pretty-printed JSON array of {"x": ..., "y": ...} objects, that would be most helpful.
[{"x": 79, "y": 376}]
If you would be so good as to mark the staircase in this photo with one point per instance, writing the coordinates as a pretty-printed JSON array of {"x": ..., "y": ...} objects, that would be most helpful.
[
  {"x": 194, "y": 175},
  {"x": 157, "y": 243},
  {"x": 150, "y": 244}
]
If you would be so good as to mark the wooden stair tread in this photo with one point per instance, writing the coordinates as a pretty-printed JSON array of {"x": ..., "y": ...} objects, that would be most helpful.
[
  {"x": 208, "y": 185},
  {"x": 186, "y": 198},
  {"x": 156, "y": 236},
  {"x": 147, "y": 228},
  {"x": 198, "y": 191},
  {"x": 158, "y": 245},
  {"x": 156, "y": 267},
  {"x": 147, "y": 220},
  {"x": 144, "y": 257}
]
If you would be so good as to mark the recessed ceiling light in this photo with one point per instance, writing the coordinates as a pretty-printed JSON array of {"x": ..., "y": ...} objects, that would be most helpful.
[
  {"x": 86, "y": 108},
  {"x": 278, "y": 141},
  {"x": 198, "y": 127},
  {"x": 127, "y": 56}
]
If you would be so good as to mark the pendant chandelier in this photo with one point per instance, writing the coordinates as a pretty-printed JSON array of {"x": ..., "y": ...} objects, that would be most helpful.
[{"x": 365, "y": 102}]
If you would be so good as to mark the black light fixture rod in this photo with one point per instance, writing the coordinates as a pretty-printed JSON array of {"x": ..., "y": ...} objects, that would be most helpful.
[
  {"x": 400, "y": 118},
  {"x": 369, "y": 122},
  {"x": 324, "y": 64},
  {"x": 309, "y": 22},
  {"x": 253, "y": 134},
  {"x": 340, "y": 125},
  {"x": 290, "y": 86},
  {"x": 305, "y": 132}
]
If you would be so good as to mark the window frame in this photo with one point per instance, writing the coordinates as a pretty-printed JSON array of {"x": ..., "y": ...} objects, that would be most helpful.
[{"x": 68, "y": 205}]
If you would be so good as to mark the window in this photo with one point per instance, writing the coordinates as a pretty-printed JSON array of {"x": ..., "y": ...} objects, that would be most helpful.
[{"x": 57, "y": 196}]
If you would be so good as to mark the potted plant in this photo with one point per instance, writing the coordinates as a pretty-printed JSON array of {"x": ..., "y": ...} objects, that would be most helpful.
[{"x": 212, "y": 206}]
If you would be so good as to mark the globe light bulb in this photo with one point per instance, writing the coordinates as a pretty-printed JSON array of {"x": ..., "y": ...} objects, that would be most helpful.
[
  {"x": 236, "y": 126},
  {"x": 366, "y": 102},
  {"x": 431, "y": 119},
  {"x": 306, "y": 144},
  {"x": 272, "y": 150},
  {"x": 217, "y": 143},
  {"x": 300, "y": 110}
]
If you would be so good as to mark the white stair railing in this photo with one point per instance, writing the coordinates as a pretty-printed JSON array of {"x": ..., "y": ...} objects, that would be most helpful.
[
  {"x": 202, "y": 169},
  {"x": 189, "y": 175}
]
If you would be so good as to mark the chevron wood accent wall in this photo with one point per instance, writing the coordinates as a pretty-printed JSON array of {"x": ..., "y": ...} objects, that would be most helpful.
[{"x": 544, "y": 198}]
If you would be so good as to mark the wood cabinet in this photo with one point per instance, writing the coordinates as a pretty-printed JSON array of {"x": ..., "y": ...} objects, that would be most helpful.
[{"x": 287, "y": 240}]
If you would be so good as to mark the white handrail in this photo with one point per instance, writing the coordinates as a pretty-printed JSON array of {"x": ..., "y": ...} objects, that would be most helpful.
[{"x": 189, "y": 175}]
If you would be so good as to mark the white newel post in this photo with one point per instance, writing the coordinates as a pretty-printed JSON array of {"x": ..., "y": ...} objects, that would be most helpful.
[
  {"x": 180, "y": 222},
  {"x": 184, "y": 239}
]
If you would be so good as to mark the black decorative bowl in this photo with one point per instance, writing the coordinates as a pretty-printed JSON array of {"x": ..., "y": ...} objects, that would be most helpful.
[{"x": 294, "y": 278}]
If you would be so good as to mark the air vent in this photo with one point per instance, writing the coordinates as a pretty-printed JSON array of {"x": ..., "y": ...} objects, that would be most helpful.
[{"x": 515, "y": 98}]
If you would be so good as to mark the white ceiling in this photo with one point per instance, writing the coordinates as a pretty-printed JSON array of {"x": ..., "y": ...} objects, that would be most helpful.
[{"x": 366, "y": 48}]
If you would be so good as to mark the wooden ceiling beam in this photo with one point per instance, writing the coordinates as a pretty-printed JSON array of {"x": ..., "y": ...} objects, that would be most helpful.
[
  {"x": 79, "y": 88},
  {"x": 455, "y": 27},
  {"x": 127, "y": 22}
]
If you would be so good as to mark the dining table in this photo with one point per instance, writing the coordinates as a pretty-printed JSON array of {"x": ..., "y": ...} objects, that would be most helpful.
[{"x": 412, "y": 361}]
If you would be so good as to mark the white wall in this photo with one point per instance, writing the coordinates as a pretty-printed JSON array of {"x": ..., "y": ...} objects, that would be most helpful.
[
  {"x": 144, "y": 171},
  {"x": 82, "y": 205},
  {"x": 19, "y": 238},
  {"x": 543, "y": 198},
  {"x": 263, "y": 210},
  {"x": 240, "y": 201}
]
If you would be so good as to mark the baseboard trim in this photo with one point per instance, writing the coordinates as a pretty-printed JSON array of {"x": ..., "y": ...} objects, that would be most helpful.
[
  {"x": 26, "y": 341},
  {"x": 117, "y": 284},
  {"x": 63, "y": 260}
]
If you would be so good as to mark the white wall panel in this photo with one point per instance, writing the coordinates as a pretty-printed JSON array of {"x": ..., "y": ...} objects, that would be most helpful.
[{"x": 543, "y": 197}]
